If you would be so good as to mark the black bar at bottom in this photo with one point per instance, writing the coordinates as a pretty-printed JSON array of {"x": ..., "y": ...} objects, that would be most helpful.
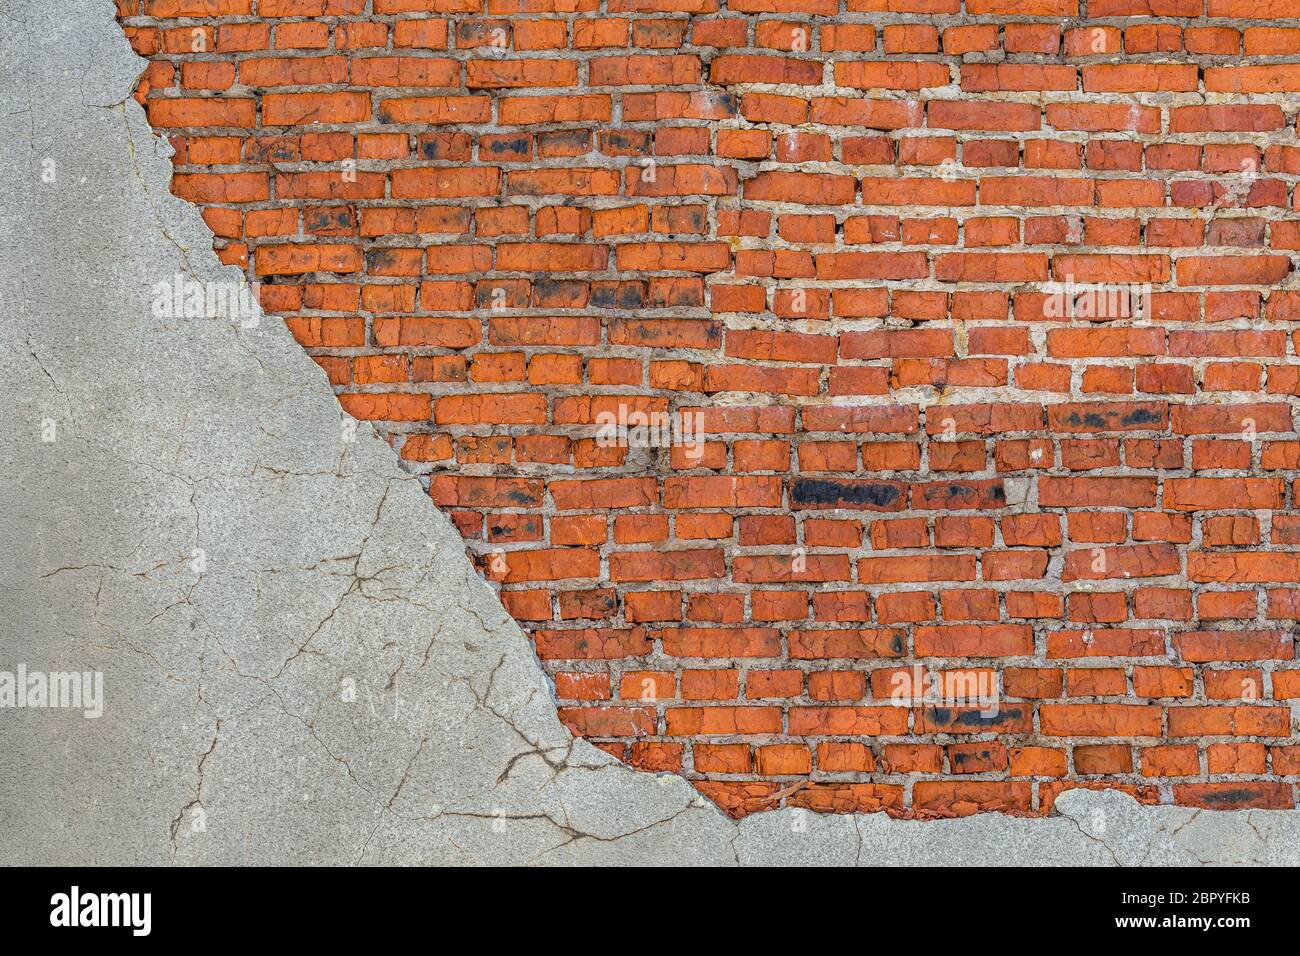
[{"x": 363, "y": 906}]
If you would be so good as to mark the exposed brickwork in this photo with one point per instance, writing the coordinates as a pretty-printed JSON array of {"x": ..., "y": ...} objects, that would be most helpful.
[{"x": 829, "y": 225}]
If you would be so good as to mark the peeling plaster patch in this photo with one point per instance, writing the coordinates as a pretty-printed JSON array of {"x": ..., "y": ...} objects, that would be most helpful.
[{"x": 292, "y": 639}]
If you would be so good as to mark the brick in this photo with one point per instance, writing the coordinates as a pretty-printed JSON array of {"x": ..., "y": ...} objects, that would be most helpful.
[{"x": 831, "y": 240}]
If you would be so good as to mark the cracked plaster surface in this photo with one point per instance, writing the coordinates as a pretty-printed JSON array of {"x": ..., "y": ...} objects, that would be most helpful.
[{"x": 300, "y": 664}]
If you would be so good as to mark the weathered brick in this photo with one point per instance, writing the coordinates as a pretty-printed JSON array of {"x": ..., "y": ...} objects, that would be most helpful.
[{"x": 781, "y": 386}]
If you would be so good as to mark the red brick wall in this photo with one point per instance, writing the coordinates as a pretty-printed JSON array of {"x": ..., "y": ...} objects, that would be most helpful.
[{"x": 830, "y": 227}]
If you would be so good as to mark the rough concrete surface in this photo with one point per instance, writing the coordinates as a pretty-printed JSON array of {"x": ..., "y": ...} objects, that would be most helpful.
[{"x": 300, "y": 665}]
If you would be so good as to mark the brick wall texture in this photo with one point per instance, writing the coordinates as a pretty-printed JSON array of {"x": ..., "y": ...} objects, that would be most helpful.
[{"x": 978, "y": 320}]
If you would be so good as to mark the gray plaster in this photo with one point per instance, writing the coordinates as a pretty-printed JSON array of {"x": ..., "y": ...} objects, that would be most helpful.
[{"x": 199, "y": 532}]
